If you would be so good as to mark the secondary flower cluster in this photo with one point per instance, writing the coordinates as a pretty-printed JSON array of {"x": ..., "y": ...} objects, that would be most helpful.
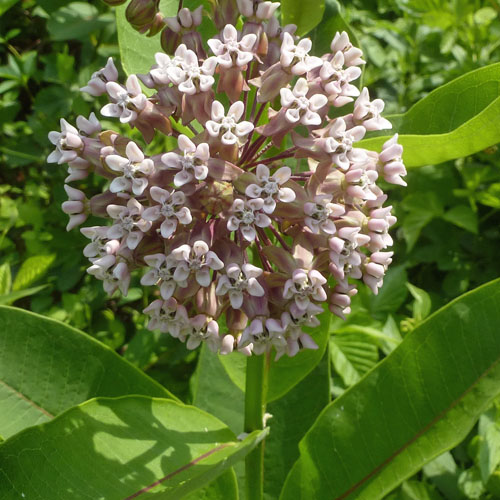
[{"x": 265, "y": 211}]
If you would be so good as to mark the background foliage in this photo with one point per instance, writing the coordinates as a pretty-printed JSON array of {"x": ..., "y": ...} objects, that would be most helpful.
[{"x": 446, "y": 239}]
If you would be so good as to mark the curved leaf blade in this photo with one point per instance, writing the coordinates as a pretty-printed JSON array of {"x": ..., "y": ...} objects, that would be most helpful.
[
  {"x": 455, "y": 120},
  {"x": 123, "y": 448},
  {"x": 300, "y": 13},
  {"x": 419, "y": 402},
  {"x": 47, "y": 367}
]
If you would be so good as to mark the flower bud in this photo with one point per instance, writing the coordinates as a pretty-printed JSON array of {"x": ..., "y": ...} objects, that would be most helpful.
[
  {"x": 157, "y": 25},
  {"x": 170, "y": 40},
  {"x": 140, "y": 13},
  {"x": 114, "y": 3}
]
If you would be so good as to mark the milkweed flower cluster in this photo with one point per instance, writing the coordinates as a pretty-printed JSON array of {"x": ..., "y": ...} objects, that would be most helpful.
[{"x": 264, "y": 211}]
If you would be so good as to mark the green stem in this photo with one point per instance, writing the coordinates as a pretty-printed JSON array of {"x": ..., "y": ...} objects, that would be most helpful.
[{"x": 255, "y": 405}]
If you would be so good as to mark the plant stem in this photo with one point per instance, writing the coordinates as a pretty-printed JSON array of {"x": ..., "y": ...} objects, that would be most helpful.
[{"x": 255, "y": 403}]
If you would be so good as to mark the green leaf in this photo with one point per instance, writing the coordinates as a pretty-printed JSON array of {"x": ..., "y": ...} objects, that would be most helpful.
[
  {"x": 46, "y": 367},
  {"x": 120, "y": 448},
  {"x": 74, "y": 21},
  {"x": 11, "y": 297},
  {"x": 137, "y": 50},
  {"x": 417, "y": 490},
  {"x": 453, "y": 121},
  {"x": 300, "y": 13},
  {"x": 463, "y": 216},
  {"x": 393, "y": 294},
  {"x": 470, "y": 483},
  {"x": 489, "y": 445},
  {"x": 225, "y": 486},
  {"x": 32, "y": 269},
  {"x": 5, "y": 5},
  {"x": 422, "y": 305},
  {"x": 443, "y": 473},
  {"x": 352, "y": 356},
  {"x": 5, "y": 279},
  {"x": 286, "y": 372},
  {"x": 332, "y": 22},
  {"x": 419, "y": 402}
]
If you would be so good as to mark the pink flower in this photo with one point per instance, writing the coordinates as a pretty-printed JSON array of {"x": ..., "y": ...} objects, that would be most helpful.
[
  {"x": 127, "y": 101},
  {"x": 192, "y": 164},
  {"x": 296, "y": 57},
  {"x": 227, "y": 127},
  {"x": 171, "y": 209},
  {"x": 135, "y": 169},
  {"x": 231, "y": 52},
  {"x": 246, "y": 215}
]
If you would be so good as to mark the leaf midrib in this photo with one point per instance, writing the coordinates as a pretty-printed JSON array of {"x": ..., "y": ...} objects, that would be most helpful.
[
  {"x": 190, "y": 464},
  {"x": 27, "y": 399},
  {"x": 419, "y": 434}
]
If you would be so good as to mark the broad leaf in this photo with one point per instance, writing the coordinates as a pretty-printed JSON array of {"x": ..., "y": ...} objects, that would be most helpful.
[
  {"x": 137, "y": 50},
  {"x": 453, "y": 121},
  {"x": 332, "y": 22},
  {"x": 286, "y": 372},
  {"x": 123, "y": 448},
  {"x": 75, "y": 21},
  {"x": 225, "y": 486},
  {"x": 47, "y": 367},
  {"x": 303, "y": 14},
  {"x": 419, "y": 402}
]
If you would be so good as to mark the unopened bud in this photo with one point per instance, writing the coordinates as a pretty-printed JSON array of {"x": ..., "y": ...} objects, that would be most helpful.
[
  {"x": 157, "y": 25},
  {"x": 236, "y": 320},
  {"x": 225, "y": 12},
  {"x": 170, "y": 40},
  {"x": 114, "y": 3},
  {"x": 140, "y": 13}
]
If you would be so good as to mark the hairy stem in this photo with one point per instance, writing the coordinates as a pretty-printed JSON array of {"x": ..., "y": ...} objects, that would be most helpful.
[{"x": 255, "y": 403}]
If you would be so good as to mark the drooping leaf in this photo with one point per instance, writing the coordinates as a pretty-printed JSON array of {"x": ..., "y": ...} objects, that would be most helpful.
[
  {"x": 123, "y": 448},
  {"x": 422, "y": 304},
  {"x": 32, "y": 269},
  {"x": 300, "y": 13},
  {"x": 47, "y": 367},
  {"x": 286, "y": 372},
  {"x": 453, "y": 121},
  {"x": 11, "y": 297},
  {"x": 419, "y": 402}
]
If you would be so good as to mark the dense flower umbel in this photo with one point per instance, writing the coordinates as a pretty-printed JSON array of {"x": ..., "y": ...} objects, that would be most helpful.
[{"x": 267, "y": 212}]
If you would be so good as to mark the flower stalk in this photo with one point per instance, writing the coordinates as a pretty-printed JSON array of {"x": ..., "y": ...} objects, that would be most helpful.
[{"x": 255, "y": 405}]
